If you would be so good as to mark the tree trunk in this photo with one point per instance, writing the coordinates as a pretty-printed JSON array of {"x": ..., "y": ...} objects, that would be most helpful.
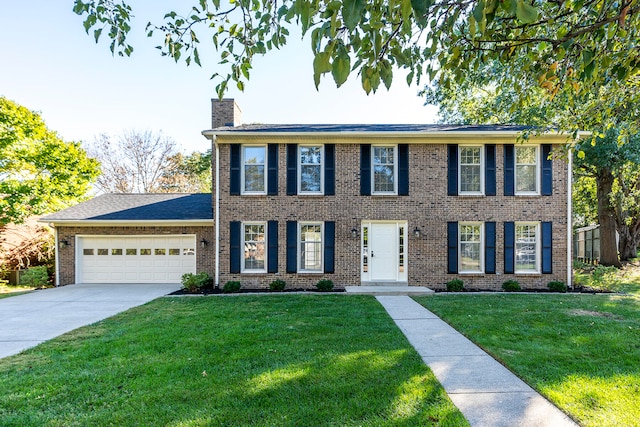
[
  {"x": 629, "y": 240},
  {"x": 607, "y": 219}
]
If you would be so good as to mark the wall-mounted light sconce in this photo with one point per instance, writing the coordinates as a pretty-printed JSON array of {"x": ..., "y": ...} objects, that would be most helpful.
[
  {"x": 417, "y": 233},
  {"x": 63, "y": 244},
  {"x": 354, "y": 232},
  {"x": 203, "y": 242}
]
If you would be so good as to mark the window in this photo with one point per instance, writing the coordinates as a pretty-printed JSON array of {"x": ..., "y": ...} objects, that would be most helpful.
[
  {"x": 116, "y": 251},
  {"x": 132, "y": 252},
  {"x": 471, "y": 247},
  {"x": 384, "y": 171},
  {"x": 160, "y": 251},
  {"x": 527, "y": 248},
  {"x": 253, "y": 242},
  {"x": 471, "y": 177},
  {"x": 87, "y": 252},
  {"x": 526, "y": 176},
  {"x": 174, "y": 251},
  {"x": 254, "y": 176},
  {"x": 310, "y": 247},
  {"x": 310, "y": 172}
]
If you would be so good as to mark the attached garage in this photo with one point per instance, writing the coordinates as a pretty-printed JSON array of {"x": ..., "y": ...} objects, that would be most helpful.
[
  {"x": 134, "y": 238},
  {"x": 135, "y": 259}
]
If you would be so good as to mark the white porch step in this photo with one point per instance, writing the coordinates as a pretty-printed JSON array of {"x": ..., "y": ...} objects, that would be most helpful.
[{"x": 388, "y": 290}]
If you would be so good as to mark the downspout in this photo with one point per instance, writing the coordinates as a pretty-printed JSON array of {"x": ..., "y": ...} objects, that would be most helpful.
[
  {"x": 570, "y": 221},
  {"x": 217, "y": 212},
  {"x": 56, "y": 254}
]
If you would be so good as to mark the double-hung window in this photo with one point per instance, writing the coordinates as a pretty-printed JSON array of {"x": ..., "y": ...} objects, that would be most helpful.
[
  {"x": 254, "y": 238},
  {"x": 311, "y": 169},
  {"x": 471, "y": 176},
  {"x": 384, "y": 171},
  {"x": 310, "y": 241},
  {"x": 527, "y": 170},
  {"x": 471, "y": 245},
  {"x": 254, "y": 169},
  {"x": 527, "y": 247}
]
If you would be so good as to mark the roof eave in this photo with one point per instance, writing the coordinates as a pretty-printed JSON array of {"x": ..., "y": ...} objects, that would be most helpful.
[{"x": 126, "y": 223}]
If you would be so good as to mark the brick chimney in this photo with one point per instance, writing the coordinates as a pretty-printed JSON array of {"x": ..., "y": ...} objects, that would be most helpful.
[{"x": 225, "y": 113}]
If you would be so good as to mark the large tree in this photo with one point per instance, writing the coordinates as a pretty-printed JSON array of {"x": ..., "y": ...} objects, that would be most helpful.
[
  {"x": 148, "y": 162},
  {"x": 570, "y": 45},
  {"x": 39, "y": 172}
]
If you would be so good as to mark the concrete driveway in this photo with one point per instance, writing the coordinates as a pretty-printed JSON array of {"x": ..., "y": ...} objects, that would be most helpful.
[{"x": 29, "y": 319}]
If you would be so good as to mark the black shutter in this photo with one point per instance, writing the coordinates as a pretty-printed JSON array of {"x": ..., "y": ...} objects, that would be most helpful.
[
  {"x": 272, "y": 176},
  {"x": 292, "y": 169},
  {"x": 292, "y": 246},
  {"x": 490, "y": 248},
  {"x": 547, "y": 176},
  {"x": 234, "y": 246},
  {"x": 452, "y": 247},
  {"x": 234, "y": 162},
  {"x": 509, "y": 247},
  {"x": 403, "y": 169},
  {"x": 547, "y": 248},
  {"x": 452, "y": 173},
  {"x": 509, "y": 170},
  {"x": 365, "y": 169},
  {"x": 490, "y": 170},
  {"x": 272, "y": 247},
  {"x": 329, "y": 169},
  {"x": 329, "y": 246}
]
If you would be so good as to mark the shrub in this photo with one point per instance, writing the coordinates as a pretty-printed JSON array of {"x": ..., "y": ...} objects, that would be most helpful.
[
  {"x": 277, "y": 285},
  {"x": 35, "y": 276},
  {"x": 511, "y": 286},
  {"x": 455, "y": 285},
  {"x": 557, "y": 286},
  {"x": 195, "y": 282},
  {"x": 231, "y": 287},
  {"x": 324, "y": 285}
]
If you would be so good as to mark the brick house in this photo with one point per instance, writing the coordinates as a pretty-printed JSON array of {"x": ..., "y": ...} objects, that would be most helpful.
[{"x": 369, "y": 204}]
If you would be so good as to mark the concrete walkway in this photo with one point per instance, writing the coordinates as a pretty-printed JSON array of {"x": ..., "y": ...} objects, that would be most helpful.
[
  {"x": 29, "y": 319},
  {"x": 486, "y": 392}
]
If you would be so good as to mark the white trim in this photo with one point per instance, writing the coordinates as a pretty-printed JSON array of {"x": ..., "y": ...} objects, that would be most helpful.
[
  {"x": 56, "y": 254},
  {"x": 570, "y": 220},
  {"x": 482, "y": 247},
  {"x": 537, "y": 249},
  {"x": 299, "y": 171},
  {"x": 395, "y": 170},
  {"x": 244, "y": 270},
  {"x": 537, "y": 175},
  {"x": 130, "y": 223},
  {"x": 243, "y": 165},
  {"x": 217, "y": 215},
  {"x": 399, "y": 276},
  {"x": 299, "y": 247},
  {"x": 482, "y": 167}
]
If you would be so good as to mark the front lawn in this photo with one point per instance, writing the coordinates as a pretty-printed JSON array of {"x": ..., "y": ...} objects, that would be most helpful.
[
  {"x": 10, "y": 290},
  {"x": 581, "y": 351},
  {"x": 294, "y": 360}
]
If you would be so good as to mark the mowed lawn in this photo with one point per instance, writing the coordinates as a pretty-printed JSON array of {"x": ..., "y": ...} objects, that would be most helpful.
[
  {"x": 581, "y": 351},
  {"x": 283, "y": 360}
]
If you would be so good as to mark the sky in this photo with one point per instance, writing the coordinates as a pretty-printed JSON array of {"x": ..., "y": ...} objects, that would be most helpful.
[{"x": 50, "y": 65}]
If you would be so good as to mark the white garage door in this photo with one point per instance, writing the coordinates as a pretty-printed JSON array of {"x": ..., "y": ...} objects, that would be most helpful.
[{"x": 135, "y": 259}]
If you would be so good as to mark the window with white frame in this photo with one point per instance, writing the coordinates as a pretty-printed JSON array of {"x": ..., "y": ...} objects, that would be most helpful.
[
  {"x": 311, "y": 170},
  {"x": 310, "y": 238},
  {"x": 254, "y": 169},
  {"x": 527, "y": 247},
  {"x": 471, "y": 178},
  {"x": 255, "y": 250},
  {"x": 384, "y": 169},
  {"x": 527, "y": 172},
  {"x": 471, "y": 244}
]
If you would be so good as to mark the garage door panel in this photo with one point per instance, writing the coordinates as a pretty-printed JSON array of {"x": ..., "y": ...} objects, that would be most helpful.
[{"x": 135, "y": 259}]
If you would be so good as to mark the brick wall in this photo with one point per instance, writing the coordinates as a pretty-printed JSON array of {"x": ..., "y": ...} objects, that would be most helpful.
[
  {"x": 427, "y": 207},
  {"x": 204, "y": 256}
]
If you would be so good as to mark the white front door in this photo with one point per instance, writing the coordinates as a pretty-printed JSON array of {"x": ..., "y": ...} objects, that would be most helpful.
[{"x": 384, "y": 252}]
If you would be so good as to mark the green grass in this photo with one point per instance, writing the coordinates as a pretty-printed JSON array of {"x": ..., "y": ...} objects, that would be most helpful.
[
  {"x": 581, "y": 351},
  {"x": 305, "y": 360},
  {"x": 10, "y": 290}
]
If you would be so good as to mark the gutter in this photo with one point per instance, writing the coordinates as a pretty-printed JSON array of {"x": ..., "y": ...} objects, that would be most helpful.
[
  {"x": 570, "y": 220},
  {"x": 216, "y": 214},
  {"x": 56, "y": 254}
]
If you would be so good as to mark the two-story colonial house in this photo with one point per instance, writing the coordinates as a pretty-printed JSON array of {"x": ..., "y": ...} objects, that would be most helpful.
[{"x": 357, "y": 204}]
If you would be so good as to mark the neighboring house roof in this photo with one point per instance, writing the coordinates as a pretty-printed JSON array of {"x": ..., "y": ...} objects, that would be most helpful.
[
  {"x": 138, "y": 207},
  {"x": 375, "y": 128}
]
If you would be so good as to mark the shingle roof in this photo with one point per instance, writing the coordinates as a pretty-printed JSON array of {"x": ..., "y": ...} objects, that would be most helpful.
[
  {"x": 137, "y": 207},
  {"x": 363, "y": 128}
]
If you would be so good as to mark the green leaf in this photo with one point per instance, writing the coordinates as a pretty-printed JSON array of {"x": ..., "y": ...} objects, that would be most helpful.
[
  {"x": 341, "y": 67},
  {"x": 352, "y": 12},
  {"x": 526, "y": 12},
  {"x": 321, "y": 65},
  {"x": 96, "y": 34},
  {"x": 386, "y": 73}
]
